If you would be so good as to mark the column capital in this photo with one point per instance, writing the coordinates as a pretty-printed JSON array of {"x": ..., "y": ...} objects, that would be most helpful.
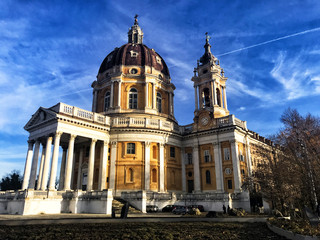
[
  {"x": 233, "y": 141},
  {"x": 94, "y": 140},
  {"x": 106, "y": 142},
  {"x": 161, "y": 144},
  {"x": 30, "y": 142},
  {"x": 147, "y": 143},
  {"x": 72, "y": 136},
  {"x": 114, "y": 143},
  {"x": 58, "y": 133}
]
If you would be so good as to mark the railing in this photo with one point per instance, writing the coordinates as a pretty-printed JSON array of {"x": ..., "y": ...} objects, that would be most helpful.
[
  {"x": 81, "y": 113},
  {"x": 203, "y": 197},
  {"x": 143, "y": 122},
  {"x": 217, "y": 123}
]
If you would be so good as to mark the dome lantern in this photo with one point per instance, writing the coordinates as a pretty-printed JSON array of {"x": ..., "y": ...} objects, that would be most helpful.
[{"x": 135, "y": 34}]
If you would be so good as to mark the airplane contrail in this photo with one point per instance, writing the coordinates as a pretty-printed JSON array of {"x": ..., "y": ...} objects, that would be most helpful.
[{"x": 270, "y": 41}]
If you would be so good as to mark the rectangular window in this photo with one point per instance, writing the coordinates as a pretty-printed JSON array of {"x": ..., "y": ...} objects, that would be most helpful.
[
  {"x": 172, "y": 152},
  {"x": 226, "y": 153},
  {"x": 242, "y": 172},
  {"x": 131, "y": 148},
  {"x": 189, "y": 158},
  {"x": 241, "y": 157},
  {"x": 206, "y": 156},
  {"x": 230, "y": 184}
]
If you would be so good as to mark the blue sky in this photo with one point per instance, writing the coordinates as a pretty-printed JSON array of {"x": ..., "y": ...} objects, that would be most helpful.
[{"x": 50, "y": 52}]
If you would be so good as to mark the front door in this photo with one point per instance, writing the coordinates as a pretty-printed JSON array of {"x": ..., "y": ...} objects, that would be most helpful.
[{"x": 190, "y": 186}]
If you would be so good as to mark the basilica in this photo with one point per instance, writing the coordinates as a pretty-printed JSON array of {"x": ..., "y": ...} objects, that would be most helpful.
[{"x": 131, "y": 147}]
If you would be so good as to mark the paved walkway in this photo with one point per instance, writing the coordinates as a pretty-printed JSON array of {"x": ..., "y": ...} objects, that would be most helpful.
[{"x": 16, "y": 220}]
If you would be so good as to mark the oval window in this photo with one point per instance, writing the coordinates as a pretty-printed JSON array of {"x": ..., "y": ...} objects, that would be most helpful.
[
  {"x": 134, "y": 71},
  {"x": 204, "y": 71}
]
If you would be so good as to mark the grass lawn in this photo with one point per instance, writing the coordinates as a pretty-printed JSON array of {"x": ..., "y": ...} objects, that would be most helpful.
[{"x": 177, "y": 230}]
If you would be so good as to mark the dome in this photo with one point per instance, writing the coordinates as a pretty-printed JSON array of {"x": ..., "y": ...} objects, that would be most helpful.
[{"x": 134, "y": 54}]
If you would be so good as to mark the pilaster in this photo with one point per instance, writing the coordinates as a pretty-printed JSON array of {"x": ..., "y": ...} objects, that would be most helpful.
[
  {"x": 183, "y": 170},
  {"x": 113, "y": 165},
  {"x": 236, "y": 166},
  {"x": 161, "y": 165},
  {"x": 147, "y": 166},
  {"x": 218, "y": 166},
  {"x": 196, "y": 169},
  {"x": 103, "y": 165}
]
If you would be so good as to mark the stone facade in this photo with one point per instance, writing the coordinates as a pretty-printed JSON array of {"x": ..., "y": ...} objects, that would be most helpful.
[{"x": 131, "y": 146}]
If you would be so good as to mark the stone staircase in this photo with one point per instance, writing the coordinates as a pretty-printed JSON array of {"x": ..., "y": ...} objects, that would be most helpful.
[{"x": 118, "y": 203}]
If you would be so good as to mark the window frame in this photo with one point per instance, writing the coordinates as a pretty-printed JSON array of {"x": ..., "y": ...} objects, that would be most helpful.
[
  {"x": 172, "y": 152},
  {"x": 131, "y": 148},
  {"x": 159, "y": 102},
  {"x": 189, "y": 158},
  {"x": 207, "y": 157},
  {"x": 107, "y": 106},
  {"x": 133, "y": 98},
  {"x": 224, "y": 154}
]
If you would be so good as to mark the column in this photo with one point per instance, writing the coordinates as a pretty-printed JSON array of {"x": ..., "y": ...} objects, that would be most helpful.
[
  {"x": 225, "y": 98},
  {"x": 46, "y": 165},
  {"x": 34, "y": 166},
  {"x": 218, "y": 166},
  {"x": 41, "y": 166},
  {"x": 212, "y": 93},
  {"x": 111, "y": 95},
  {"x": 236, "y": 166},
  {"x": 68, "y": 168},
  {"x": 196, "y": 97},
  {"x": 54, "y": 163},
  {"x": 215, "y": 94},
  {"x": 172, "y": 106},
  {"x": 147, "y": 95},
  {"x": 27, "y": 167},
  {"x": 80, "y": 168},
  {"x": 154, "y": 96},
  {"x": 183, "y": 170},
  {"x": 200, "y": 98},
  {"x": 62, "y": 167},
  {"x": 103, "y": 165},
  {"x": 196, "y": 168},
  {"x": 119, "y": 93},
  {"x": 147, "y": 166},
  {"x": 161, "y": 158},
  {"x": 113, "y": 165},
  {"x": 91, "y": 164}
]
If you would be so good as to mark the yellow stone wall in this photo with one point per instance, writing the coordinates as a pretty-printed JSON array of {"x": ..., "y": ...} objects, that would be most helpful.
[
  {"x": 207, "y": 166},
  {"x": 154, "y": 166},
  {"x": 227, "y": 164},
  {"x": 173, "y": 180},
  {"x": 125, "y": 162}
]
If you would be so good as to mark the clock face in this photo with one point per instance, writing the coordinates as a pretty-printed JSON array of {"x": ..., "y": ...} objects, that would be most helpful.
[{"x": 204, "y": 121}]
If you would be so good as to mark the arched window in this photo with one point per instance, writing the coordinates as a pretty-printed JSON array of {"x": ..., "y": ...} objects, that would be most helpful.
[
  {"x": 154, "y": 152},
  {"x": 206, "y": 97},
  {"x": 154, "y": 175},
  {"x": 159, "y": 102},
  {"x": 133, "y": 98},
  {"x": 107, "y": 101},
  {"x": 218, "y": 97},
  {"x": 208, "y": 177}
]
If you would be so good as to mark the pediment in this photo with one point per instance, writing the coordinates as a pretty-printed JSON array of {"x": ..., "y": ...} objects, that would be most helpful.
[{"x": 42, "y": 115}]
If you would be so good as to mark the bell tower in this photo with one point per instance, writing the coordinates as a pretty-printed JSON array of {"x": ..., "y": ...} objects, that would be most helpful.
[{"x": 210, "y": 88}]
